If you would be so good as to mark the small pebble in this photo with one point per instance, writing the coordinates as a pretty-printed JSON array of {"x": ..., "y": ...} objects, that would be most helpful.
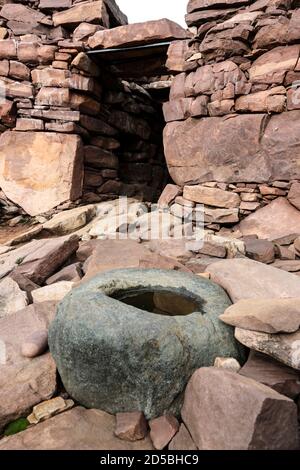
[{"x": 36, "y": 344}]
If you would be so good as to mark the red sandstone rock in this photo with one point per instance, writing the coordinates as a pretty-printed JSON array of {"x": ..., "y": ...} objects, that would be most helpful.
[
  {"x": 272, "y": 373},
  {"x": 275, "y": 220},
  {"x": 294, "y": 195},
  {"x": 71, "y": 273},
  {"x": 233, "y": 150},
  {"x": 93, "y": 12},
  {"x": 272, "y": 66},
  {"x": 39, "y": 259},
  {"x": 131, "y": 426},
  {"x": 35, "y": 344},
  {"x": 247, "y": 279},
  {"x": 163, "y": 429},
  {"x": 268, "y": 101},
  {"x": 25, "y": 382},
  {"x": 260, "y": 250},
  {"x": 72, "y": 431},
  {"x": 226, "y": 411},
  {"x": 194, "y": 5},
  {"x": 170, "y": 192},
  {"x": 265, "y": 315}
]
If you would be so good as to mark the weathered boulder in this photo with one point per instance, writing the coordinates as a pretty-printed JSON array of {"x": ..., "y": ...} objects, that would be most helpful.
[
  {"x": 137, "y": 34},
  {"x": 233, "y": 149},
  {"x": 283, "y": 347},
  {"x": 52, "y": 292},
  {"x": 266, "y": 315},
  {"x": 247, "y": 279},
  {"x": 272, "y": 373},
  {"x": 24, "y": 382},
  {"x": 119, "y": 343},
  {"x": 277, "y": 219},
  {"x": 72, "y": 431},
  {"x": 267, "y": 101},
  {"x": 91, "y": 12},
  {"x": 226, "y": 411},
  {"x": 39, "y": 180},
  {"x": 39, "y": 259}
]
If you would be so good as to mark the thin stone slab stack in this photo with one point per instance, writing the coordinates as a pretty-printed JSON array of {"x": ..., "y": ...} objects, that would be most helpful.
[{"x": 233, "y": 114}]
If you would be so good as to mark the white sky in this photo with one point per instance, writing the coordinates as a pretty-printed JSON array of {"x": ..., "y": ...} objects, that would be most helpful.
[{"x": 144, "y": 10}]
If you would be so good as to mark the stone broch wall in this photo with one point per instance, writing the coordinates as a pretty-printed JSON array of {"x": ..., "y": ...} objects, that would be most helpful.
[
  {"x": 71, "y": 130},
  {"x": 232, "y": 135},
  {"x": 233, "y": 115}
]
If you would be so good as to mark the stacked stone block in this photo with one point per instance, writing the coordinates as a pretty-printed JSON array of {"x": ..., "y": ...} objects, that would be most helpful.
[{"x": 234, "y": 109}]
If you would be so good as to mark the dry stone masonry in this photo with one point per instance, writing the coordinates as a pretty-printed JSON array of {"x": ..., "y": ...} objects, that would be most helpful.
[
  {"x": 232, "y": 118},
  {"x": 196, "y": 123}
]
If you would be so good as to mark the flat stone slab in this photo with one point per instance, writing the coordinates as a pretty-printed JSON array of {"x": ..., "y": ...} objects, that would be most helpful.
[
  {"x": 247, "y": 279},
  {"x": 39, "y": 259},
  {"x": 77, "y": 429},
  {"x": 283, "y": 347},
  {"x": 24, "y": 382},
  {"x": 265, "y": 315},
  {"x": 137, "y": 34},
  {"x": 232, "y": 150}
]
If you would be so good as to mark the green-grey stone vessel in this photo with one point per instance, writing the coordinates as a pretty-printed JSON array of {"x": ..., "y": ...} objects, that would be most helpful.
[{"x": 117, "y": 358}]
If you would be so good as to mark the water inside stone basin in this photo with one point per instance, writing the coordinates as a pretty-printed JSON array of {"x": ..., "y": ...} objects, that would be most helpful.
[{"x": 162, "y": 302}]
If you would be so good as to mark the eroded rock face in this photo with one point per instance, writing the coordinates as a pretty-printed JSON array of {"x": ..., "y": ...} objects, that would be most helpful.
[
  {"x": 39, "y": 180},
  {"x": 242, "y": 148}
]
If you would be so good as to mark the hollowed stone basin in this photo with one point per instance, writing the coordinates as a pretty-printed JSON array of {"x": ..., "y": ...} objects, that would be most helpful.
[{"x": 117, "y": 357}]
